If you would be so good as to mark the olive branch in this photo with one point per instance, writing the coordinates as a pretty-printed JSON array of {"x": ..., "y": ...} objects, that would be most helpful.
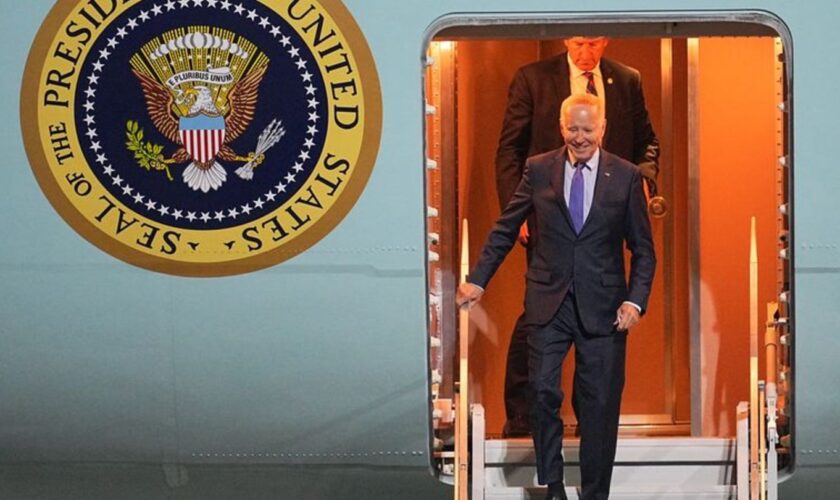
[{"x": 148, "y": 155}]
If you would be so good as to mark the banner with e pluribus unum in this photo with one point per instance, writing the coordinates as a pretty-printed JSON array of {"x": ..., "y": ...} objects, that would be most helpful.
[{"x": 201, "y": 137}]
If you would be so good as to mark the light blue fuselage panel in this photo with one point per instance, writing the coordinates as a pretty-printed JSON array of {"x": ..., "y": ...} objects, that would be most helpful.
[{"x": 320, "y": 360}]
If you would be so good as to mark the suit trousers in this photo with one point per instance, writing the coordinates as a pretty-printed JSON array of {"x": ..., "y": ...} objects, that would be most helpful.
[
  {"x": 596, "y": 397},
  {"x": 517, "y": 390}
]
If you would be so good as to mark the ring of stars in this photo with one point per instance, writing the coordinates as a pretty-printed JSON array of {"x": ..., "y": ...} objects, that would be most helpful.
[{"x": 147, "y": 202}]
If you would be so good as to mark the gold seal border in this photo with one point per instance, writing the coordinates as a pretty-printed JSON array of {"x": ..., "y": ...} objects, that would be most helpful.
[{"x": 36, "y": 153}]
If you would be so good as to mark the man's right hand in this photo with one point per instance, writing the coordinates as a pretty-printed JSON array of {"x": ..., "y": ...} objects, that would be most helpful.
[
  {"x": 524, "y": 234},
  {"x": 468, "y": 294}
]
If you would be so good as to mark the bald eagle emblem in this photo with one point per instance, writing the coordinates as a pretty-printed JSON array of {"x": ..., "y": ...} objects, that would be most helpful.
[{"x": 201, "y": 87}]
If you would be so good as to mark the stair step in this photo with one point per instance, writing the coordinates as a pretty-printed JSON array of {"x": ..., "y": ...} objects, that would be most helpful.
[
  {"x": 630, "y": 450},
  {"x": 629, "y": 476},
  {"x": 646, "y": 492},
  {"x": 668, "y": 464}
]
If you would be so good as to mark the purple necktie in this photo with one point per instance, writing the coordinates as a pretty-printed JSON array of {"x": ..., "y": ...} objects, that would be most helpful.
[
  {"x": 576, "y": 197},
  {"x": 590, "y": 83}
]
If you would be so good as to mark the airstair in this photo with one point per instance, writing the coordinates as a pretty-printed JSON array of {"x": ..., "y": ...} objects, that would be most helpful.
[
  {"x": 650, "y": 468},
  {"x": 668, "y": 468}
]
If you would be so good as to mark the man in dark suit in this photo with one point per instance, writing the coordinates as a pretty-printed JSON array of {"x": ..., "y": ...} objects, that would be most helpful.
[
  {"x": 586, "y": 204},
  {"x": 530, "y": 128}
]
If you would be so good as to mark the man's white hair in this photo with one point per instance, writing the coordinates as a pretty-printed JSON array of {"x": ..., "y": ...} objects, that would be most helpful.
[{"x": 584, "y": 100}]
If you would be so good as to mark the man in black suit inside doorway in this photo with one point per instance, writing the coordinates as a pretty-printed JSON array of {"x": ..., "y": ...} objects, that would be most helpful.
[
  {"x": 586, "y": 203},
  {"x": 530, "y": 128}
]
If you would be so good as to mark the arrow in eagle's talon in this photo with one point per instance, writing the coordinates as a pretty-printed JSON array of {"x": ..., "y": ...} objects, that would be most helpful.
[{"x": 270, "y": 136}]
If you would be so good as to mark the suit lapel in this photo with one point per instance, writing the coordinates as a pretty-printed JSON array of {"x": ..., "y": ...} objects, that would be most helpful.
[
  {"x": 558, "y": 179},
  {"x": 563, "y": 89},
  {"x": 602, "y": 183},
  {"x": 560, "y": 77},
  {"x": 611, "y": 95}
]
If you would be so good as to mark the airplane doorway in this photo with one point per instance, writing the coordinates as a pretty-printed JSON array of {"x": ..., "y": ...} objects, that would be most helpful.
[{"x": 716, "y": 95}]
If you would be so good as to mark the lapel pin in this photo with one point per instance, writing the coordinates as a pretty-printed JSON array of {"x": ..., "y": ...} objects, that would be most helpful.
[
  {"x": 609, "y": 81},
  {"x": 606, "y": 174}
]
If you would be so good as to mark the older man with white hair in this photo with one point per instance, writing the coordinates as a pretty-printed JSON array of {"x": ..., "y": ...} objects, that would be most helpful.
[
  {"x": 587, "y": 203},
  {"x": 530, "y": 128}
]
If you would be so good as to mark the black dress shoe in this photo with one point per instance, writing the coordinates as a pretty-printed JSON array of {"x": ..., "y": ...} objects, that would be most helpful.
[
  {"x": 556, "y": 491},
  {"x": 516, "y": 427}
]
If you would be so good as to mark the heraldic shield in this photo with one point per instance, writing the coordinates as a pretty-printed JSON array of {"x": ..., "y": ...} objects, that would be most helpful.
[{"x": 202, "y": 136}]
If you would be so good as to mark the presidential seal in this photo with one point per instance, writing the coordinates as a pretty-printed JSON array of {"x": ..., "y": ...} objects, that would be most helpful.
[{"x": 201, "y": 137}]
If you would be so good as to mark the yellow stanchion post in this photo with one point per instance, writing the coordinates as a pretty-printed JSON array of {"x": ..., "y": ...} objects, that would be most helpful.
[
  {"x": 462, "y": 400},
  {"x": 754, "y": 403}
]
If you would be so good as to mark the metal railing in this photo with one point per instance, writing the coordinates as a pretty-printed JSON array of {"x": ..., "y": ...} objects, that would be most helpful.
[{"x": 757, "y": 432}]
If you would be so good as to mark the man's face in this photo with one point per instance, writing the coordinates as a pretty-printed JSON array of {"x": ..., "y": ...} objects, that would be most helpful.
[
  {"x": 586, "y": 52},
  {"x": 582, "y": 131}
]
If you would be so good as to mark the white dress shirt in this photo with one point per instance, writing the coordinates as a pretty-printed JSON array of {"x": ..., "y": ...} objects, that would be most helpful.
[{"x": 579, "y": 81}]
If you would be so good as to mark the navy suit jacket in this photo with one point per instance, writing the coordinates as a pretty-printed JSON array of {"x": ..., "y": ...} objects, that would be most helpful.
[
  {"x": 594, "y": 259},
  {"x": 532, "y": 119}
]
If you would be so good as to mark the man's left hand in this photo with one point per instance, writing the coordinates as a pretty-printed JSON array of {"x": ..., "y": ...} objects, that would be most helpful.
[
  {"x": 649, "y": 169},
  {"x": 626, "y": 317}
]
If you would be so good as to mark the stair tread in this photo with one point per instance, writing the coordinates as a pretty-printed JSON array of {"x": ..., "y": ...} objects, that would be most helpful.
[
  {"x": 648, "y": 492},
  {"x": 682, "y": 476},
  {"x": 629, "y": 451},
  {"x": 642, "y": 488}
]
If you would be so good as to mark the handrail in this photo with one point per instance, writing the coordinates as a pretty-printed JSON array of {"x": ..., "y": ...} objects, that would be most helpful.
[
  {"x": 462, "y": 400},
  {"x": 754, "y": 404},
  {"x": 763, "y": 435}
]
